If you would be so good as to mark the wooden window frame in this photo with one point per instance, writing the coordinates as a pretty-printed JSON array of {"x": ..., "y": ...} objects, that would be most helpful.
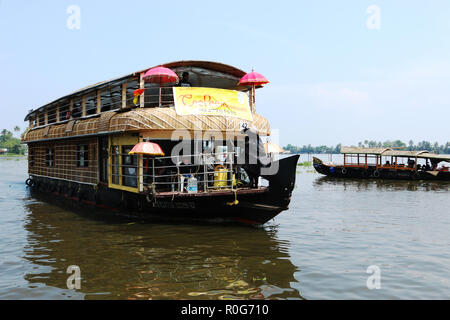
[
  {"x": 50, "y": 157},
  {"x": 83, "y": 156}
]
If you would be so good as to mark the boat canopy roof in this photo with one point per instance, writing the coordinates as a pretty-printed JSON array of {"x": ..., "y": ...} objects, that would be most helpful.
[
  {"x": 388, "y": 152},
  {"x": 403, "y": 153},
  {"x": 202, "y": 74},
  {"x": 214, "y": 68},
  {"x": 432, "y": 156},
  {"x": 353, "y": 150}
]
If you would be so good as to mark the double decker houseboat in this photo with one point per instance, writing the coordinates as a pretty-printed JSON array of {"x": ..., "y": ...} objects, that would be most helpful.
[{"x": 178, "y": 141}]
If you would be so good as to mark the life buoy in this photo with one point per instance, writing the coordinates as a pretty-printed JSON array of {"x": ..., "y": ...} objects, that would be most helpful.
[
  {"x": 30, "y": 182},
  {"x": 376, "y": 174},
  {"x": 344, "y": 171}
]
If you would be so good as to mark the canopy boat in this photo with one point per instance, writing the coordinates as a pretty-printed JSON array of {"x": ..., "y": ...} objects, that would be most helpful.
[
  {"x": 387, "y": 163},
  {"x": 178, "y": 141}
]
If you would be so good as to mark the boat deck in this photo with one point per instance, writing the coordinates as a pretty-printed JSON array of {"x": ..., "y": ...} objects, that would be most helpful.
[{"x": 213, "y": 192}]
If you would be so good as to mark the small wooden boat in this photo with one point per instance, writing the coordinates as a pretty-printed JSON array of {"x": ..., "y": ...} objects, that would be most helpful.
[
  {"x": 86, "y": 147},
  {"x": 386, "y": 163}
]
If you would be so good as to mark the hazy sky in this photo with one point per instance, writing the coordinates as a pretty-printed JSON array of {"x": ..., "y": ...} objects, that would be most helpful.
[{"x": 340, "y": 71}]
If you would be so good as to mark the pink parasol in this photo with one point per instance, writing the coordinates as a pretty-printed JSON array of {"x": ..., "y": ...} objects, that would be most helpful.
[
  {"x": 147, "y": 148},
  {"x": 160, "y": 75},
  {"x": 253, "y": 79}
]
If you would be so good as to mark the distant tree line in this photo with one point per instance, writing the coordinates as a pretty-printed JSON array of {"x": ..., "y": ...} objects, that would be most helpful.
[
  {"x": 310, "y": 149},
  {"x": 411, "y": 146},
  {"x": 8, "y": 141}
]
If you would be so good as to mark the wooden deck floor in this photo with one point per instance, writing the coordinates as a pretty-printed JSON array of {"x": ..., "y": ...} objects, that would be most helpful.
[{"x": 212, "y": 193}]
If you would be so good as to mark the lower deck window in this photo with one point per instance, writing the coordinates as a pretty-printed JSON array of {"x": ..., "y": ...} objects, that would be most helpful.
[
  {"x": 129, "y": 168},
  {"x": 50, "y": 157},
  {"x": 115, "y": 165},
  {"x": 123, "y": 166},
  {"x": 83, "y": 156},
  {"x": 31, "y": 153}
]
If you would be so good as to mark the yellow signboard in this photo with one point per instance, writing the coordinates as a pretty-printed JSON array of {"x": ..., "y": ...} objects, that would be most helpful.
[{"x": 212, "y": 102}]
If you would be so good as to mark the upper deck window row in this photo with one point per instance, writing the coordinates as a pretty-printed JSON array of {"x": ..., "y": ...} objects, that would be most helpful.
[{"x": 120, "y": 95}]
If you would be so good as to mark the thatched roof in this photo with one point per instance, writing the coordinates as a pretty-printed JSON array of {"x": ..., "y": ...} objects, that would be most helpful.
[
  {"x": 168, "y": 119},
  {"x": 353, "y": 150},
  {"x": 403, "y": 153},
  {"x": 441, "y": 157},
  {"x": 216, "y": 66},
  {"x": 144, "y": 119}
]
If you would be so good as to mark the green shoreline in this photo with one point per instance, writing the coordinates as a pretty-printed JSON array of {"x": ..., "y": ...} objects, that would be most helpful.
[{"x": 12, "y": 155}]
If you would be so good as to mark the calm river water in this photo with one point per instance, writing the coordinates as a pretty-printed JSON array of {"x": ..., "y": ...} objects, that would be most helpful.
[{"x": 320, "y": 249}]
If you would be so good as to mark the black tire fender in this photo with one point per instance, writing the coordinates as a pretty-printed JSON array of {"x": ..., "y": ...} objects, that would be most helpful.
[{"x": 30, "y": 182}]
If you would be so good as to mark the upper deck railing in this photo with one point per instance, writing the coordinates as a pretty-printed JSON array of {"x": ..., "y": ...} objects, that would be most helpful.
[{"x": 92, "y": 104}]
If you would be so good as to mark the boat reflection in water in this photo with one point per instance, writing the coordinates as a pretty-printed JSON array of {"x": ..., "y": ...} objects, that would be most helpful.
[
  {"x": 381, "y": 184},
  {"x": 122, "y": 260}
]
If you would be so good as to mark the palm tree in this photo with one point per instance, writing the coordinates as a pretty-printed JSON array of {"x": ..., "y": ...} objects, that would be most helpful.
[
  {"x": 411, "y": 145},
  {"x": 436, "y": 147},
  {"x": 16, "y": 129}
]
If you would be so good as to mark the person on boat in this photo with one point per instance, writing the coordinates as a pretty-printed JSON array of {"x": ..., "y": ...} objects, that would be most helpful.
[
  {"x": 184, "y": 82},
  {"x": 184, "y": 169},
  {"x": 161, "y": 172},
  {"x": 426, "y": 166},
  {"x": 147, "y": 170}
]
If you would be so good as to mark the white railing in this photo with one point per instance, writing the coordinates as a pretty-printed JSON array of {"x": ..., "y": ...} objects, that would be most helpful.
[{"x": 212, "y": 171}]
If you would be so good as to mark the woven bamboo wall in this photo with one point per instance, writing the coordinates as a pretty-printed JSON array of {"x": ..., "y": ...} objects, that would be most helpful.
[
  {"x": 65, "y": 160},
  {"x": 168, "y": 119},
  {"x": 145, "y": 119},
  {"x": 71, "y": 128}
]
